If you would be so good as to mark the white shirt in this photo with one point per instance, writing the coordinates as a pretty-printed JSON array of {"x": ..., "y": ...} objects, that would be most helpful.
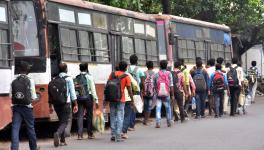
[{"x": 240, "y": 73}]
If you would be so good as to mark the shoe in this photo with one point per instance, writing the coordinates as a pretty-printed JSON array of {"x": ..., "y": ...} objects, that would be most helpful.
[
  {"x": 197, "y": 117},
  {"x": 80, "y": 137},
  {"x": 56, "y": 140},
  {"x": 63, "y": 144},
  {"x": 145, "y": 123},
  {"x": 91, "y": 137},
  {"x": 216, "y": 116},
  {"x": 157, "y": 125},
  {"x": 124, "y": 136},
  {"x": 131, "y": 129},
  {"x": 203, "y": 117},
  {"x": 119, "y": 140},
  {"x": 112, "y": 139}
]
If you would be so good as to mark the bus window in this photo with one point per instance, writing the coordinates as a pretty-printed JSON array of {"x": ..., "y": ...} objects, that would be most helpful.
[
  {"x": 200, "y": 50},
  {"x": 3, "y": 17},
  {"x": 99, "y": 20},
  {"x": 4, "y": 49},
  {"x": 24, "y": 28},
  {"x": 66, "y": 15},
  {"x": 85, "y": 47},
  {"x": 139, "y": 27},
  {"x": 228, "y": 54},
  {"x": 122, "y": 24},
  {"x": 152, "y": 52},
  {"x": 69, "y": 44},
  {"x": 101, "y": 48},
  {"x": 151, "y": 30},
  {"x": 127, "y": 48},
  {"x": 84, "y": 19},
  {"x": 217, "y": 50},
  {"x": 140, "y": 51}
]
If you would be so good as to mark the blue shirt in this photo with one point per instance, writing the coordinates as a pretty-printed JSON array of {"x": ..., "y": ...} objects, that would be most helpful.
[
  {"x": 212, "y": 78},
  {"x": 71, "y": 95},
  {"x": 139, "y": 73}
]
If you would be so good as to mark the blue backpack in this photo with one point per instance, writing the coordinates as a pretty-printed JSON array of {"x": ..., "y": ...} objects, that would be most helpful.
[{"x": 199, "y": 81}]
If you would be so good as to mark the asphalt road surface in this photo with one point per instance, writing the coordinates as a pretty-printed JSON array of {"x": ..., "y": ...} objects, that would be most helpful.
[{"x": 244, "y": 132}]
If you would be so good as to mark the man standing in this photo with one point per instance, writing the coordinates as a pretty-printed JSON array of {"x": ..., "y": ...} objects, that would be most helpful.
[
  {"x": 138, "y": 75},
  {"x": 117, "y": 82},
  {"x": 252, "y": 80},
  {"x": 61, "y": 94},
  {"x": 22, "y": 93},
  {"x": 218, "y": 84},
  {"x": 235, "y": 77},
  {"x": 163, "y": 83},
  {"x": 86, "y": 98},
  {"x": 210, "y": 70}
]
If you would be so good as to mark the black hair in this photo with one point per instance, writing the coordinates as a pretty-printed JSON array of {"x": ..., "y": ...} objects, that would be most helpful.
[
  {"x": 122, "y": 66},
  {"x": 83, "y": 67},
  {"x": 63, "y": 67},
  {"x": 211, "y": 62},
  {"x": 254, "y": 63},
  {"x": 24, "y": 67},
  {"x": 163, "y": 64},
  {"x": 227, "y": 65},
  {"x": 199, "y": 63},
  {"x": 198, "y": 59},
  {"x": 181, "y": 61},
  {"x": 149, "y": 64},
  {"x": 234, "y": 60},
  {"x": 177, "y": 64},
  {"x": 220, "y": 60},
  {"x": 133, "y": 59},
  {"x": 218, "y": 66}
]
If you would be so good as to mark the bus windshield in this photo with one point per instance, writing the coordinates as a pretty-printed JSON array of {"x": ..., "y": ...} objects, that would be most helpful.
[{"x": 24, "y": 29}]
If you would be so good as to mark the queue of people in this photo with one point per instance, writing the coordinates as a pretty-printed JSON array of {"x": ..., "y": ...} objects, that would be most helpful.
[{"x": 174, "y": 88}]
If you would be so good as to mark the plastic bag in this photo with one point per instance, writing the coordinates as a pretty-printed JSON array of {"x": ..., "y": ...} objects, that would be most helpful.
[
  {"x": 193, "y": 103},
  {"x": 138, "y": 103},
  {"x": 98, "y": 121}
]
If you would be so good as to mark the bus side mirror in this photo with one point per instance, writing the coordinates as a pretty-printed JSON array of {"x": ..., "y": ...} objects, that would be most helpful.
[{"x": 171, "y": 39}]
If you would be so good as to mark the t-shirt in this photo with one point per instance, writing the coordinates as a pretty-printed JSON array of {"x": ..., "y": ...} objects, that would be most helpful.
[
  {"x": 125, "y": 82},
  {"x": 139, "y": 73}
]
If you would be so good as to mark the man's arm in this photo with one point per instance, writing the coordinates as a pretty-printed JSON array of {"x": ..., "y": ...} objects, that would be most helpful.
[
  {"x": 73, "y": 95},
  {"x": 93, "y": 90},
  {"x": 33, "y": 90}
]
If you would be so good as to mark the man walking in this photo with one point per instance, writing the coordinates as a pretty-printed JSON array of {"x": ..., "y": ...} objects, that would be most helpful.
[
  {"x": 252, "y": 80},
  {"x": 61, "y": 94},
  {"x": 210, "y": 70},
  {"x": 22, "y": 93}
]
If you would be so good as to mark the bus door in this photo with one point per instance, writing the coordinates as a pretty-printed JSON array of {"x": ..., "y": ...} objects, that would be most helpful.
[
  {"x": 115, "y": 44},
  {"x": 207, "y": 47}
]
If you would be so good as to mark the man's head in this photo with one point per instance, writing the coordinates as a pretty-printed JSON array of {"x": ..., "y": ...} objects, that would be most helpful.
[
  {"x": 220, "y": 60},
  {"x": 198, "y": 59},
  {"x": 234, "y": 60},
  {"x": 177, "y": 64},
  {"x": 122, "y": 66},
  {"x": 24, "y": 67},
  {"x": 211, "y": 62},
  {"x": 163, "y": 64},
  {"x": 181, "y": 61},
  {"x": 133, "y": 59},
  {"x": 199, "y": 63},
  {"x": 83, "y": 67},
  {"x": 149, "y": 64},
  {"x": 218, "y": 67},
  {"x": 227, "y": 65},
  {"x": 254, "y": 63},
  {"x": 63, "y": 67}
]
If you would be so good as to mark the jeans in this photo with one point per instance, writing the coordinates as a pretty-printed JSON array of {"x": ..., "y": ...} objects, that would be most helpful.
[
  {"x": 234, "y": 93},
  {"x": 147, "y": 104},
  {"x": 179, "y": 97},
  {"x": 116, "y": 118},
  {"x": 88, "y": 106},
  {"x": 132, "y": 119},
  {"x": 63, "y": 113},
  {"x": 127, "y": 115},
  {"x": 226, "y": 99},
  {"x": 200, "y": 103},
  {"x": 219, "y": 102},
  {"x": 167, "y": 104},
  {"x": 23, "y": 113}
]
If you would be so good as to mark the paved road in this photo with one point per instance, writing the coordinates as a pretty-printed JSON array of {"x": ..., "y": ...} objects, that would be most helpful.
[{"x": 245, "y": 132}]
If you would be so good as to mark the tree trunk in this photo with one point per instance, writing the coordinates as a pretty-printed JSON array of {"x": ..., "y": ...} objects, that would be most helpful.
[{"x": 166, "y": 7}]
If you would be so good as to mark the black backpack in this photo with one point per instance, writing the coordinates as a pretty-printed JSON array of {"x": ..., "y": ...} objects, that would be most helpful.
[
  {"x": 200, "y": 81},
  {"x": 21, "y": 94},
  {"x": 58, "y": 91},
  {"x": 232, "y": 77},
  {"x": 112, "y": 90},
  {"x": 81, "y": 86},
  {"x": 175, "y": 80}
]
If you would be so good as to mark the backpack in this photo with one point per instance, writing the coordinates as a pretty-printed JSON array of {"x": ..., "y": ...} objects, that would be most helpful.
[
  {"x": 21, "y": 94},
  {"x": 58, "y": 90},
  {"x": 218, "y": 82},
  {"x": 232, "y": 77},
  {"x": 199, "y": 81},
  {"x": 134, "y": 73},
  {"x": 81, "y": 87},
  {"x": 112, "y": 90},
  {"x": 175, "y": 81},
  {"x": 149, "y": 84},
  {"x": 252, "y": 75},
  {"x": 163, "y": 84}
]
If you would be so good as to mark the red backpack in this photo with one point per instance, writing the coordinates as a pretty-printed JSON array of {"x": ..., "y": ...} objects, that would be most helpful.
[
  {"x": 218, "y": 82},
  {"x": 163, "y": 84}
]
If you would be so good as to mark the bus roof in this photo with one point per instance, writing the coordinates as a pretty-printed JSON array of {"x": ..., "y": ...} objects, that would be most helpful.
[
  {"x": 106, "y": 9},
  {"x": 193, "y": 22}
]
